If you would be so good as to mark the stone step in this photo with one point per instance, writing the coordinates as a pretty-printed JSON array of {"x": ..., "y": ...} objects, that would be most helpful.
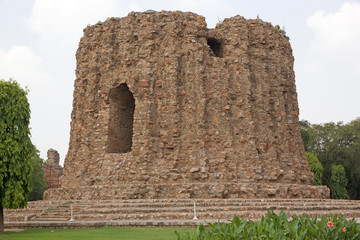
[
  {"x": 51, "y": 219},
  {"x": 240, "y": 204},
  {"x": 106, "y": 210},
  {"x": 189, "y": 208},
  {"x": 204, "y": 215},
  {"x": 54, "y": 214},
  {"x": 91, "y": 211},
  {"x": 177, "y": 209},
  {"x": 56, "y": 210},
  {"x": 214, "y": 203}
]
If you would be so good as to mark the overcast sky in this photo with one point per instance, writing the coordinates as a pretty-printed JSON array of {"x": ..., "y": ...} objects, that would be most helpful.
[{"x": 39, "y": 38}]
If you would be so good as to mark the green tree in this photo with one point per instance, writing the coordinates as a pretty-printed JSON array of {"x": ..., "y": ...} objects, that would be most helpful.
[
  {"x": 339, "y": 182},
  {"x": 16, "y": 148},
  {"x": 349, "y": 148},
  {"x": 315, "y": 167},
  {"x": 304, "y": 126},
  {"x": 38, "y": 183},
  {"x": 333, "y": 144}
]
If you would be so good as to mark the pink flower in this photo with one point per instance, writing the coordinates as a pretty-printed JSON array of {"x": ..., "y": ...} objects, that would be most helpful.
[
  {"x": 330, "y": 224},
  {"x": 344, "y": 229}
]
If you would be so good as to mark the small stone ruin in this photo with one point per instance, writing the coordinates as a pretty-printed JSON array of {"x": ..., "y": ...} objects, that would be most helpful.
[{"x": 52, "y": 169}]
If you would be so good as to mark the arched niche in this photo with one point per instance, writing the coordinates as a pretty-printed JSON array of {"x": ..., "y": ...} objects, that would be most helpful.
[{"x": 122, "y": 106}]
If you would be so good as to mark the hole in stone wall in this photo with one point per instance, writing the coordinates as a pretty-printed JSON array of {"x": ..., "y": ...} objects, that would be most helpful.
[
  {"x": 122, "y": 106},
  {"x": 216, "y": 49}
]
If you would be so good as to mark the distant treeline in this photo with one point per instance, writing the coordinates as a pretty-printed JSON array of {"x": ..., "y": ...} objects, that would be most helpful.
[{"x": 337, "y": 147}]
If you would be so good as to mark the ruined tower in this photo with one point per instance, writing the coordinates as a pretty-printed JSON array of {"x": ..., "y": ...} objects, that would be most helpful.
[{"x": 166, "y": 108}]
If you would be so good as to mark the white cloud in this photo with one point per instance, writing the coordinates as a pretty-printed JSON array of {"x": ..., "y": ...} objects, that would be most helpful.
[
  {"x": 336, "y": 39},
  {"x": 332, "y": 66},
  {"x": 20, "y": 63},
  {"x": 338, "y": 31}
]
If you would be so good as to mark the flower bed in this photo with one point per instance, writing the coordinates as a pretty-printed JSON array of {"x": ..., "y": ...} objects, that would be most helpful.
[{"x": 273, "y": 226}]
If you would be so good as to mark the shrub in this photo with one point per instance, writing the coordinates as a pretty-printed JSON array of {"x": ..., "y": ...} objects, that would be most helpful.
[
  {"x": 315, "y": 167},
  {"x": 339, "y": 182},
  {"x": 273, "y": 226}
]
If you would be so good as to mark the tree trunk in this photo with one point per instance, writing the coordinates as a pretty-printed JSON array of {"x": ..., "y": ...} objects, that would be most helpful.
[{"x": 1, "y": 219}]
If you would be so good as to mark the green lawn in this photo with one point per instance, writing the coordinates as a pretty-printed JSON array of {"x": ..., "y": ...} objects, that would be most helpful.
[{"x": 106, "y": 233}]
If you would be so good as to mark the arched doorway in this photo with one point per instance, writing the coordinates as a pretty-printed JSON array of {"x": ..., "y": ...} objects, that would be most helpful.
[{"x": 122, "y": 106}]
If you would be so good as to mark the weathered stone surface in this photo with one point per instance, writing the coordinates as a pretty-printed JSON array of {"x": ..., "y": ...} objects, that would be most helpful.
[
  {"x": 52, "y": 170},
  {"x": 165, "y": 107}
]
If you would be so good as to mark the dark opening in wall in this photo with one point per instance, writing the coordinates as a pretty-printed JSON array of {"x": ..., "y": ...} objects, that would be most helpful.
[
  {"x": 216, "y": 49},
  {"x": 122, "y": 106}
]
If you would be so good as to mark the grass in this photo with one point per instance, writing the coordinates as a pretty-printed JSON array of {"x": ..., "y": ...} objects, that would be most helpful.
[{"x": 106, "y": 233}]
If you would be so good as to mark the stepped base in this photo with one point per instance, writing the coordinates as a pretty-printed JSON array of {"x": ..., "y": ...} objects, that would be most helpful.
[
  {"x": 166, "y": 212},
  {"x": 189, "y": 190}
]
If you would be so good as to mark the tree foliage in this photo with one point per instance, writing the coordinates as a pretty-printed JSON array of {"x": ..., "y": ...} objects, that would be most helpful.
[
  {"x": 334, "y": 144},
  {"x": 304, "y": 125},
  {"x": 315, "y": 167},
  {"x": 16, "y": 148},
  {"x": 338, "y": 182},
  {"x": 38, "y": 183}
]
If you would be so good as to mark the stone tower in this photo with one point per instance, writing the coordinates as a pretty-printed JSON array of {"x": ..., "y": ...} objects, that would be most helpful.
[{"x": 166, "y": 108}]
